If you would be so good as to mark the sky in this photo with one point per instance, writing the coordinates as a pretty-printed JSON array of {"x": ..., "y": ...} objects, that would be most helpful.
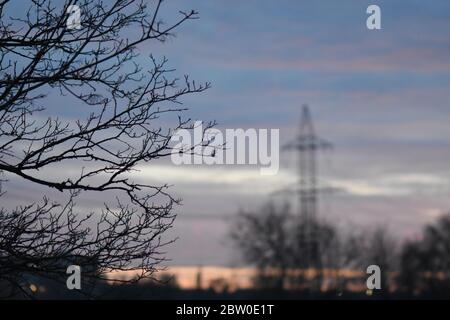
[{"x": 381, "y": 97}]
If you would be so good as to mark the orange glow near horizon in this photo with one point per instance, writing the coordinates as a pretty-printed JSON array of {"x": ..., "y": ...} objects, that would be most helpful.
[{"x": 218, "y": 278}]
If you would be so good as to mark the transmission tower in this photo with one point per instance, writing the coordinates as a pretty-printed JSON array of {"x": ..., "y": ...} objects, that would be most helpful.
[{"x": 307, "y": 144}]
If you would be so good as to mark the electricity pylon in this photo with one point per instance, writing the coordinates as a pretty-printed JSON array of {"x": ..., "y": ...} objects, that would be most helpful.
[{"x": 307, "y": 144}]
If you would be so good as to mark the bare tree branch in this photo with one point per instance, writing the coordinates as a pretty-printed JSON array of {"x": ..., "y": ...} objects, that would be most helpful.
[{"x": 122, "y": 100}]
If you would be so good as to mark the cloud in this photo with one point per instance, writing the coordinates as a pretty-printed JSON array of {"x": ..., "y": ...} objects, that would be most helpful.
[
  {"x": 233, "y": 180},
  {"x": 395, "y": 185}
]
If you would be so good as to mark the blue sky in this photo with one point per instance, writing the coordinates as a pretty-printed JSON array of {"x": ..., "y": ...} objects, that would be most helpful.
[{"x": 381, "y": 97}]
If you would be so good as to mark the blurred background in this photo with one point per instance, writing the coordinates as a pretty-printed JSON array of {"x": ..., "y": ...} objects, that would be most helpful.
[{"x": 366, "y": 181}]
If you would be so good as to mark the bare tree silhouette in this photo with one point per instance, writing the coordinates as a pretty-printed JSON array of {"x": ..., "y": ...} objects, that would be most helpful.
[
  {"x": 263, "y": 239},
  {"x": 272, "y": 240},
  {"x": 372, "y": 246},
  {"x": 99, "y": 66},
  {"x": 425, "y": 263}
]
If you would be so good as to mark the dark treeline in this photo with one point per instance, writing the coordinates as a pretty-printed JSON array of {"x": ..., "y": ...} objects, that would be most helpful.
[{"x": 273, "y": 239}]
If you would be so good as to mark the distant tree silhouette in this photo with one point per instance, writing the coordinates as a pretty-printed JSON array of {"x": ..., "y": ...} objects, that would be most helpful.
[
  {"x": 382, "y": 251},
  {"x": 263, "y": 239},
  {"x": 425, "y": 263},
  {"x": 272, "y": 240},
  {"x": 120, "y": 102}
]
